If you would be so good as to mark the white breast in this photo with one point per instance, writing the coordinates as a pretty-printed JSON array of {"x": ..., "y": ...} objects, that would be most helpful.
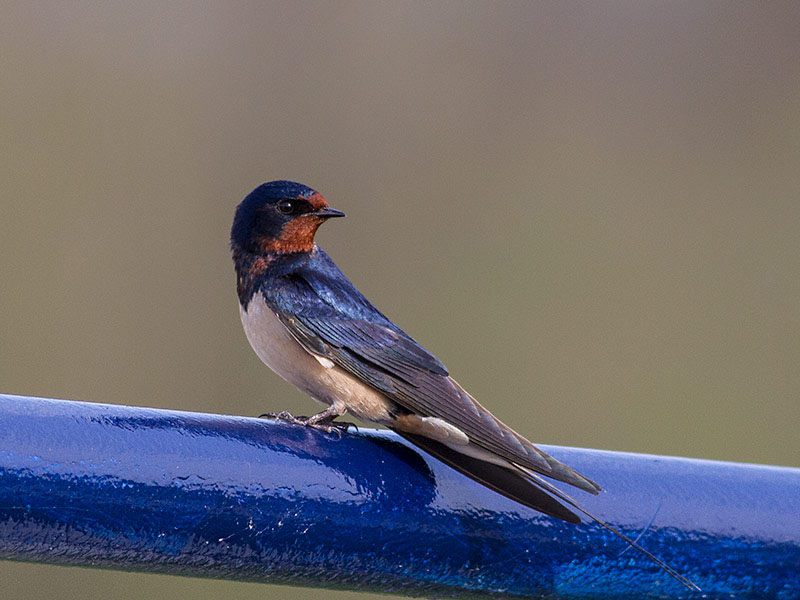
[{"x": 315, "y": 375}]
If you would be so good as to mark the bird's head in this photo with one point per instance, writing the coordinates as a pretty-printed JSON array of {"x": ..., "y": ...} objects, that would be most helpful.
[{"x": 279, "y": 217}]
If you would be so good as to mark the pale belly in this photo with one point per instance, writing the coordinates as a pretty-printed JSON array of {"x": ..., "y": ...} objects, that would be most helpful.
[{"x": 316, "y": 376}]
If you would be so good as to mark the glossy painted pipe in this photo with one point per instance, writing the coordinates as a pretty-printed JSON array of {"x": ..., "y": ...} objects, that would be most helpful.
[{"x": 241, "y": 498}]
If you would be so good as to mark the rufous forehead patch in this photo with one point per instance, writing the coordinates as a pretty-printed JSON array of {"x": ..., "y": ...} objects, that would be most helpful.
[{"x": 316, "y": 200}]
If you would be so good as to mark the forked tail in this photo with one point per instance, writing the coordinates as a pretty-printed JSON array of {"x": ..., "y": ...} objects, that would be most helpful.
[
  {"x": 574, "y": 504},
  {"x": 531, "y": 490}
]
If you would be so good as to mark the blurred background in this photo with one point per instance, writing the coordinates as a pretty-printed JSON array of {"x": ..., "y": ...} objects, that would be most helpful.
[{"x": 589, "y": 212}]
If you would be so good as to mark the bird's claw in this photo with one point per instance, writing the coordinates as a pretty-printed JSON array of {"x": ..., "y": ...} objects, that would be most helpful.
[
  {"x": 285, "y": 416},
  {"x": 327, "y": 426},
  {"x": 335, "y": 427}
]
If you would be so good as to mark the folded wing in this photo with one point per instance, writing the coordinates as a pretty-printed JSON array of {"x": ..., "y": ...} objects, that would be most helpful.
[{"x": 330, "y": 318}]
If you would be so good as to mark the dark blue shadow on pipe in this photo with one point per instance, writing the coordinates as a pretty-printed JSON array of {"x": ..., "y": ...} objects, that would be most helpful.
[{"x": 247, "y": 499}]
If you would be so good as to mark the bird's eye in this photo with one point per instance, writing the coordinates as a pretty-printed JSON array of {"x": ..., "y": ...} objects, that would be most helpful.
[{"x": 286, "y": 207}]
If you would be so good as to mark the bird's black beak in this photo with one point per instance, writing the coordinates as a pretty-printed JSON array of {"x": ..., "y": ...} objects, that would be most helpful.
[{"x": 328, "y": 213}]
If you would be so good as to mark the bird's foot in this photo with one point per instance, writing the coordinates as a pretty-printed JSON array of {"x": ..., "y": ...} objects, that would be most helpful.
[
  {"x": 323, "y": 422},
  {"x": 332, "y": 427},
  {"x": 286, "y": 417}
]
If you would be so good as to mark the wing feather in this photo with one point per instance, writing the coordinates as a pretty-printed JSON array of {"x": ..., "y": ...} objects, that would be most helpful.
[{"x": 330, "y": 317}]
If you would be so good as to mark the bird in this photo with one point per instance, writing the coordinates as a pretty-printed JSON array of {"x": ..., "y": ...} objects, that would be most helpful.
[{"x": 309, "y": 324}]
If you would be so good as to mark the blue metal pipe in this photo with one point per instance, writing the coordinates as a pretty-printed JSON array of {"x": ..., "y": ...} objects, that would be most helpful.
[{"x": 242, "y": 498}]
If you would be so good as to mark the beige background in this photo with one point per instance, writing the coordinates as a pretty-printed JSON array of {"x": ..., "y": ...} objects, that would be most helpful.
[{"x": 590, "y": 213}]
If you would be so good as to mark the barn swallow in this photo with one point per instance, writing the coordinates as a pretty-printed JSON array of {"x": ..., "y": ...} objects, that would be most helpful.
[{"x": 309, "y": 324}]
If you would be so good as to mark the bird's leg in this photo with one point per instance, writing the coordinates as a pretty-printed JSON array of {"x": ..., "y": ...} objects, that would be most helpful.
[{"x": 324, "y": 421}]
